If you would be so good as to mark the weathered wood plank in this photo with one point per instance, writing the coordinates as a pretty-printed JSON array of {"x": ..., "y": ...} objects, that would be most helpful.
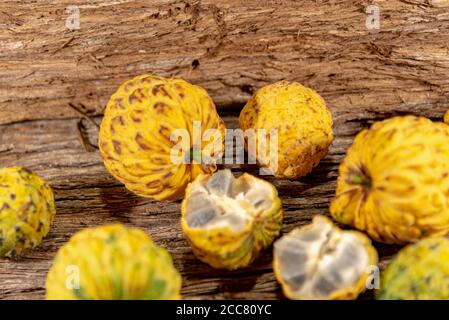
[{"x": 239, "y": 45}]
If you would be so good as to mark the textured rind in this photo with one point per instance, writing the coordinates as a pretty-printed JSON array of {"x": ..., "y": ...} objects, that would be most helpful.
[
  {"x": 134, "y": 138},
  {"x": 420, "y": 271},
  {"x": 407, "y": 160},
  {"x": 113, "y": 263},
  {"x": 303, "y": 121},
  {"x": 350, "y": 293},
  {"x": 224, "y": 248},
  {"x": 27, "y": 208}
]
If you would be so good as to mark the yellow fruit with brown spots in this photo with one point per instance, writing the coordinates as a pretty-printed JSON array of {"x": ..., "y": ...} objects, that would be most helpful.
[
  {"x": 112, "y": 262},
  {"x": 229, "y": 221},
  {"x": 420, "y": 271},
  {"x": 27, "y": 208},
  {"x": 136, "y": 140},
  {"x": 303, "y": 124},
  {"x": 394, "y": 181}
]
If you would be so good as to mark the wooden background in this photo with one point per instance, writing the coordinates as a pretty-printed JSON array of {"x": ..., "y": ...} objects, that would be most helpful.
[{"x": 54, "y": 81}]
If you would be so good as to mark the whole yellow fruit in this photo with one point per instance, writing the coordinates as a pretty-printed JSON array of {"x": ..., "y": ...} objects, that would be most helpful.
[
  {"x": 420, "y": 271},
  {"x": 112, "y": 262},
  {"x": 320, "y": 261},
  {"x": 27, "y": 208},
  {"x": 394, "y": 181},
  {"x": 136, "y": 141},
  {"x": 303, "y": 124},
  {"x": 229, "y": 221}
]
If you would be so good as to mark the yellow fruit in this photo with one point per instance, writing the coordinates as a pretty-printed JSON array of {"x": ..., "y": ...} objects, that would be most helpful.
[
  {"x": 112, "y": 262},
  {"x": 303, "y": 123},
  {"x": 321, "y": 261},
  {"x": 394, "y": 181},
  {"x": 229, "y": 221},
  {"x": 418, "y": 272},
  {"x": 135, "y": 134},
  {"x": 27, "y": 208},
  {"x": 446, "y": 117}
]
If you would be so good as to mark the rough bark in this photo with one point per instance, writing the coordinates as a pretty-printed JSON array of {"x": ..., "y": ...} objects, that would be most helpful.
[{"x": 229, "y": 47}]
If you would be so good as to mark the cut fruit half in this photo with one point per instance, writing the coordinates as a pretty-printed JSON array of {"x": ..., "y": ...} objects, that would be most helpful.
[
  {"x": 321, "y": 261},
  {"x": 228, "y": 220}
]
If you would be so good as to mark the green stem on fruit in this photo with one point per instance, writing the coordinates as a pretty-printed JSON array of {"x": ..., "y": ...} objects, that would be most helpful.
[{"x": 361, "y": 180}]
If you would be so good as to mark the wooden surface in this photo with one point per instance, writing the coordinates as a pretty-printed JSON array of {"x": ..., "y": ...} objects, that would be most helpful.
[{"x": 229, "y": 47}]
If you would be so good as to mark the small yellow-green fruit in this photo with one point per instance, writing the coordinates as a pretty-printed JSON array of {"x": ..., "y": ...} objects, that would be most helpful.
[
  {"x": 151, "y": 136},
  {"x": 303, "y": 124},
  {"x": 321, "y": 261},
  {"x": 229, "y": 221},
  {"x": 27, "y": 208},
  {"x": 112, "y": 262},
  {"x": 420, "y": 271},
  {"x": 394, "y": 181}
]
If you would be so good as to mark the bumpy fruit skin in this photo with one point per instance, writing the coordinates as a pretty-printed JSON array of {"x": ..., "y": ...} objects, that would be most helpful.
[
  {"x": 394, "y": 181},
  {"x": 225, "y": 248},
  {"x": 304, "y": 125},
  {"x": 134, "y": 138},
  {"x": 112, "y": 262},
  {"x": 27, "y": 208},
  {"x": 336, "y": 264},
  {"x": 419, "y": 272}
]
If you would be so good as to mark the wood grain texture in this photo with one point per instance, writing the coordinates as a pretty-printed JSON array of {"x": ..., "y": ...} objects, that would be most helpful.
[{"x": 229, "y": 47}]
